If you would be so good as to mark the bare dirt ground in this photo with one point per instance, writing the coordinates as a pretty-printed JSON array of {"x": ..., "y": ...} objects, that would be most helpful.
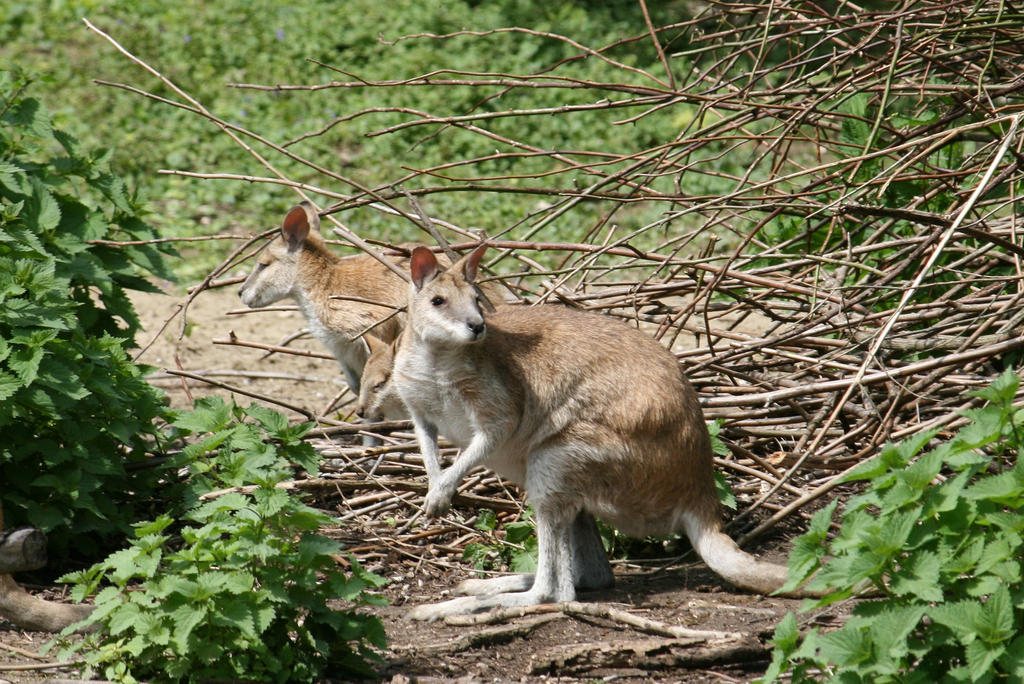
[{"x": 564, "y": 646}]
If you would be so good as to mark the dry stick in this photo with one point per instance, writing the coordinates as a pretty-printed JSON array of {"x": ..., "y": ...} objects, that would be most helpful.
[
  {"x": 857, "y": 380},
  {"x": 765, "y": 398},
  {"x": 597, "y": 54},
  {"x": 578, "y": 609},
  {"x": 32, "y": 667},
  {"x": 263, "y": 375},
  {"x": 232, "y": 340},
  {"x": 238, "y": 390},
  {"x": 22, "y": 651},
  {"x": 484, "y": 638}
]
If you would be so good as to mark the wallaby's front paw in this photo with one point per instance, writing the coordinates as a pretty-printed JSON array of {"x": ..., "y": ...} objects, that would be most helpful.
[{"x": 437, "y": 503}]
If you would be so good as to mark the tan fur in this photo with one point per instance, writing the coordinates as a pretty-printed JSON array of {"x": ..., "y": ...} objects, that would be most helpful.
[
  {"x": 377, "y": 398},
  {"x": 592, "y": 417},
  {"x": 297, "y": 264}
]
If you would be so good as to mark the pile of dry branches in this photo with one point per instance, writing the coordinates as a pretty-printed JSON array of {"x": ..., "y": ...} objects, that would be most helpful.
[{"x": 856, "y": 277}]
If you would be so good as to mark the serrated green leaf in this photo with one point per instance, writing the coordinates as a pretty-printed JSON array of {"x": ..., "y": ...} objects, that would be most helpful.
[
  {"x": 9, "y": 384},
  {"x": 43, "y": 208},
  {"x": 871, "y": 468},
  {"x": 986, "y": 426},
  {"x": 477, "y": 555},
  {"x": 920, "y": 577},
  {"x": 890, "y": 628},
  {"x": 305, "y": 456},
  {"x": 981, "y": 656},
  {"x": 210, "y": 414},
  {"x": 237, "y": 614},
  {"x": 270, "y": 502},
  {"x": 311, "y": 546},
  {"x": 125, "y": 617},
  {"x": 30, "y": 115},
  {"x": 995, "y": 625},
  {"x": 920, "y": 474},
  {"x": 519, "y": 531},
  {"x": 786, "y": 633},
  {"x": 123, "y": 565},
  {"x": 959, "y": 616},
  {"x": 185, "y": 619},
  {"x": 1006, "y": 488},
  {"x": 25, "y": 363},
  {"x": 1001, "y": 390},
  {"x": 230, "y": 502},
  {"x": 717, "y": 445},
  {"x": 847, "y": 646},
  {"x": 486, "y": 520},
  {"x": 14, "y": 178},
  {"x": 1012, "y": 661},
  {"x": 523, "y": 561},
  {"x": 724, "y": 491},
  {"x": 272, "y": 421}
]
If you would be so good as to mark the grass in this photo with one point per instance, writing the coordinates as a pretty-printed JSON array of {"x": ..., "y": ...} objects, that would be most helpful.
[{"x": 204, "y": 46}]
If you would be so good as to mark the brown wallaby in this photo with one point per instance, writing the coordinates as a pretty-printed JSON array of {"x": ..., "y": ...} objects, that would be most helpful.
[
  {"x": 377, "y": 397},
  {"x": 593, "y": 418},
  {"x": 297, "y": 264}
]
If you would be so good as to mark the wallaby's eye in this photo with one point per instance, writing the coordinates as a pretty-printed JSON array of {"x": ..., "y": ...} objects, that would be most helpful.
[
  {"x": 437, "y": 301},
  {"x": 380, "y": 385}
]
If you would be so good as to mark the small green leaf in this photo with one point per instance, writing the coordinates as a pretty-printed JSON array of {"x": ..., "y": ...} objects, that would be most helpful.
[{"x": 486, "y": 520}]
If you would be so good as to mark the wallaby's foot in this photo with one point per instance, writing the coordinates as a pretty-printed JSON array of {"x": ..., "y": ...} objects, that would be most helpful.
[
  {"x": 467, "y": 605},
  {"x": 495, "y": 585},
  {"x": 438, "y": 501}
]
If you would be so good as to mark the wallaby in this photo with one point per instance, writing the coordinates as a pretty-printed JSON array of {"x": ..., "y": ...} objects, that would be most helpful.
[
  {"x": 297, "y": 264},
  {"x": 377, "y": 397},
  {"x": 590, "y": 416}
]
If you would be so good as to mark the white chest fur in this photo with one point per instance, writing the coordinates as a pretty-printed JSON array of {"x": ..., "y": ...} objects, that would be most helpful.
[{"x": 432, "y": 386}]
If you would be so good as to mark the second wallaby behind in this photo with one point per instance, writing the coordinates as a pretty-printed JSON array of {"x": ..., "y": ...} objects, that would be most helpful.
[
  {"x": 296, "y": 264},
  {"x": 593, "y": 418}
]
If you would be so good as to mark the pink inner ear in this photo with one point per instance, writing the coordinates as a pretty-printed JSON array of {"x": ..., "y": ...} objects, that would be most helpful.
[
  {"x": 422, "y": 265},
  {"x": 472, "y": 262},
  {"x": 295, "y": 227}
]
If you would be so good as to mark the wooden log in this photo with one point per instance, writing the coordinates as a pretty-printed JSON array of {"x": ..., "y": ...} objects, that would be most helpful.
[
  {"x": 22, "y": 549},
  {"x": 644, "y": 655},
  {"x": 28, "y": 612}
]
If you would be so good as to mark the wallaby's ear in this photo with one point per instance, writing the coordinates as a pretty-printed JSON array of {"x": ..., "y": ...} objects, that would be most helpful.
[
  {"x": 298, "y": 222},
  {"x": 468, "y": 264},
  {"x": 423, "y": 266},
  {"x": 374, "y": 343}
]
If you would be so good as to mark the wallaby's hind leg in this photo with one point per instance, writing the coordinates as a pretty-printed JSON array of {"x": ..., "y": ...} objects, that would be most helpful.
[
  {"x": 553, "y": 581},
  {"x": 590, "y": 567}
]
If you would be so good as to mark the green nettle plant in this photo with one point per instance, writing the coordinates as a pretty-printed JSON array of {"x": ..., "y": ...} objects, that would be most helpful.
[
  {"x": 74, "y": 409},
  {"x": 517, "y": 552},
  {"x": 938, "y": 535},
  {"x": 240, "y": 590}
]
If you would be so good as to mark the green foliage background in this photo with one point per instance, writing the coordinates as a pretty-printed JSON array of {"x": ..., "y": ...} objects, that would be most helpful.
[
  {"x": 204, "y": 46},
  {"x": 75, "y": 411},
  {"x": 240, "y": 587}
]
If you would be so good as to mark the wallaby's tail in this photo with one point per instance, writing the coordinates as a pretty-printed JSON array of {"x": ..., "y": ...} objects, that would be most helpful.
[{"x": 723, "y": 556}]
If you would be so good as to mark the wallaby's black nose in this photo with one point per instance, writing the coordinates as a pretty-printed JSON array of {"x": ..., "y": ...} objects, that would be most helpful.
[{"x": 476, "y": 328}]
